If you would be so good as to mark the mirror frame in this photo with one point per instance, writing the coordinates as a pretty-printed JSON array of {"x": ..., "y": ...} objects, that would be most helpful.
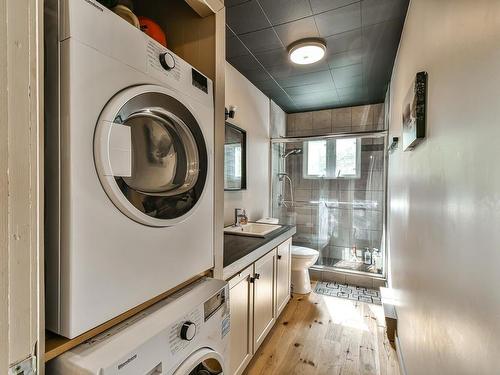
[{"x": 243, "y": 156}]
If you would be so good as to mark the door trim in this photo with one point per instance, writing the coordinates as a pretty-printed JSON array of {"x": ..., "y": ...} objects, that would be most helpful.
[{"x": 21, "y": 182}]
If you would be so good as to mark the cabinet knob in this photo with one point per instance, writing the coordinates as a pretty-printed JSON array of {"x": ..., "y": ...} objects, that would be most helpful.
[
  {"x": 257, "y": 276},
  {"x": 279, "y": 257}
]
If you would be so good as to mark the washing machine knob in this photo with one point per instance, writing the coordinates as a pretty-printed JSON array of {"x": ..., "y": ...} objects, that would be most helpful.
[
  {"x": 188, "y": 331},
  {"x": 167, "y": 61}
]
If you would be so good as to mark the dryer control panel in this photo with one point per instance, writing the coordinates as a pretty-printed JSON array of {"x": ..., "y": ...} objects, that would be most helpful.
[
  {"x": 215, "y": 303},
  {"x": 176, "y": 341}
]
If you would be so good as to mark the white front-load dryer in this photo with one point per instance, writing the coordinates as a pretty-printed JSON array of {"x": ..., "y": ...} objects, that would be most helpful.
[
  {"x": 186, "y": 334},
  {"x": 129, "y": 167}
]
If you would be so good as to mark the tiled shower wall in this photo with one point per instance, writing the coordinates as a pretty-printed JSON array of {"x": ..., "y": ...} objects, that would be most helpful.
[
  {"x": 338, "y": 120},
  {"x": 354, "y": 211}
]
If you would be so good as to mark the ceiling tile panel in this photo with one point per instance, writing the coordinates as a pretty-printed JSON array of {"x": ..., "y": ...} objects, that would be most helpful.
[
  {"x": 246, "y": 17},
  {"x": 281, "y": 11},
  {"x": 350, "y": 57},
  {"x": 376, "y": 11},
  {"x": 288, "y": 70},
  {"x": 360, "y": 91},
  {"x": 232, "y": 3},
  {"x": 361, "y": 36},
  {"x": 244, "y": 62},
  {"x": 351, "y": 75},
  {"x": 344, "y": 42},
  {"x": 339, "y": 20},
  {"x": 293, "y": 31},
  {"x": 261, "y": 40},
  {"x": 271, "y": 91},
  {"x": 277, "y": 57},
  {"x": 319, "y": 100},
  {"x": 256, "y": 75},
  {"x": 234, "y": 47},
  {"x": 383, "y": 35},
  {"x": 320, "y": 6},
  {"x": 286, "y": 103},
  {"x": 312, "y": 88},
  {"x": 306, "y": 79}
]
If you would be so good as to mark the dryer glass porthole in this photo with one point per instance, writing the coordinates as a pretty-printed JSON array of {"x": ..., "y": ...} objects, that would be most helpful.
[{"x": 168, "y": 158}]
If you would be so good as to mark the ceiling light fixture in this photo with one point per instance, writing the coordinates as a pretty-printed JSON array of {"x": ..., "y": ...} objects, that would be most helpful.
[{"x": 307, "y": 51}]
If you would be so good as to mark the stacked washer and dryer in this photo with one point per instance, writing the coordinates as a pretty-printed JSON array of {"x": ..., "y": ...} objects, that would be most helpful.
[{"x": 129, "y": 196}]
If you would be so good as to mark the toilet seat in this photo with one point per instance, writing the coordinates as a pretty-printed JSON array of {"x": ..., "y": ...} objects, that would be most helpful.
[{"x": 303, "y": 252}]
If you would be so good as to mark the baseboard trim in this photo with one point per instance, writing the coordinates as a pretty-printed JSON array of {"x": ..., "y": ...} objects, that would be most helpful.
[{"x": 399, "y": 352}]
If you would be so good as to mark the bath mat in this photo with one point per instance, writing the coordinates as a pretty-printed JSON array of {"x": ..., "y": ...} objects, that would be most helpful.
[{"x": 346, "y": 291}]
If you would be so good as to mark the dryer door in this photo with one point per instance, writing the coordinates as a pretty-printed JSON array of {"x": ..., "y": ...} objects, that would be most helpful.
[
  {"x": 151, "y": 156},
  {"x": 202, "y": 362}
]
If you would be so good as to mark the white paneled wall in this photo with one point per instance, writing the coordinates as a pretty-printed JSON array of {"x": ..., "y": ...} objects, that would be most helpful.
[{"x": 252, "y": 115}]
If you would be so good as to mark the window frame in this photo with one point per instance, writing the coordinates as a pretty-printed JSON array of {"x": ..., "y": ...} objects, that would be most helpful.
[{"x": 331, "y": 160}]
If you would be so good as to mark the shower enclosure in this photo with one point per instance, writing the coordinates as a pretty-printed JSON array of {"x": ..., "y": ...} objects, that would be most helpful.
[{"x": 333, "y": 189}]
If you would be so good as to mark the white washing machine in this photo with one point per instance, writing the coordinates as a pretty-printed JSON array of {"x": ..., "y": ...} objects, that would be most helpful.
[
  {"x": 170, "y": 338},
  {"x": 129, "y": 167}
]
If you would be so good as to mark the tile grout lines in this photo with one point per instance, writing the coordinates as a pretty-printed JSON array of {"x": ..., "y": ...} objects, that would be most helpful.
[
  {"x": 329, "y": 68},
  {"x": 284, "y": 90},
  {"x": 285, "y": 47},
  {"x": 262, "y": 66}
]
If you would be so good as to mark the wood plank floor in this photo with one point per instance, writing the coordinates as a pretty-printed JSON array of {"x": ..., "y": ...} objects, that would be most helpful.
[{"x": 319, "y": 334}]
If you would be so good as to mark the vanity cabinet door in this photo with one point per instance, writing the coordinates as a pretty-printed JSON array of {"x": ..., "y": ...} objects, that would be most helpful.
[
  {"x": 241, "y": 308},
  {"x": 264, "y": 297},
  {"x": 283, "y": 275}
]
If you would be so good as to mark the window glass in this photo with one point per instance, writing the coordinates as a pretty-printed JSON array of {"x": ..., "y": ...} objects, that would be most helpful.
[
  {"x": 332, "y": 158},
  {"x": 346, "y": 157},
  {"x": 316, "y": 158}
]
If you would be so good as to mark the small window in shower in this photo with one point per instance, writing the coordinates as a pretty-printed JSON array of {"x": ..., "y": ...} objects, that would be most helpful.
[{"x": 332, "y": 158}]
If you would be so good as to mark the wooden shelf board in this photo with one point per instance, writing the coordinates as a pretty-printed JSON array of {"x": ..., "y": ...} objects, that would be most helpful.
[{"x": 56, "y": 345}]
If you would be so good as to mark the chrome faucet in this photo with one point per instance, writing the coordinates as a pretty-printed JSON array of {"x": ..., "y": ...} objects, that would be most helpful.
[{"x": 240, "y": 217}]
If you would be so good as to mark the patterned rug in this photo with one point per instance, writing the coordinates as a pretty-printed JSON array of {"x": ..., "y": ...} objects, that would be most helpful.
[{"x": 346, "y": 291}]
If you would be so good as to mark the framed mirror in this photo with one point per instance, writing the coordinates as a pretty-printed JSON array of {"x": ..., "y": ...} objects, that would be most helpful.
[{"x": 235, "y": 158}]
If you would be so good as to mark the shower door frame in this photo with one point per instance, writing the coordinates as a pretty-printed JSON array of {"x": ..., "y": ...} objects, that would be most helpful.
[{"x": 366, "y": 134}]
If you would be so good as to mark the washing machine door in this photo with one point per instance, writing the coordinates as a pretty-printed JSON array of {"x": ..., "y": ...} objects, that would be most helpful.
[
  {"x": 151, "y": 156},
  {"x": 205, "y": 361}
]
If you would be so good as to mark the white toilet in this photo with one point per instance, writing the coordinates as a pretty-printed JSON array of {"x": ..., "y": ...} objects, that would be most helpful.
[{"x": 302, "y": 259}]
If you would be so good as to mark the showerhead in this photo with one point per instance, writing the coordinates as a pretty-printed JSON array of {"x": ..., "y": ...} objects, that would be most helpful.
[{"x": 293, "y": 151}]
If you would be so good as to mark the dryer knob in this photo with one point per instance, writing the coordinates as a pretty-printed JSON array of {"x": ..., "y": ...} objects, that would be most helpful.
[
  {"x": 167, "y": 61},
  {"x": 188, "y": 331}
]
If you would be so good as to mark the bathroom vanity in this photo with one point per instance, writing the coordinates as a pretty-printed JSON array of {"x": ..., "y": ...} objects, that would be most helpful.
[{"x": 258, "y": 271}]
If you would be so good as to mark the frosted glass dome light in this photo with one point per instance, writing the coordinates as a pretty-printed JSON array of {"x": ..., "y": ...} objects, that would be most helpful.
[{"x": 307, "y": 51}]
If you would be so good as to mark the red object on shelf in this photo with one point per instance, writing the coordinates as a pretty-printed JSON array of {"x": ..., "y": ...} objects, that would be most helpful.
[{"x": 152, "y": 29}]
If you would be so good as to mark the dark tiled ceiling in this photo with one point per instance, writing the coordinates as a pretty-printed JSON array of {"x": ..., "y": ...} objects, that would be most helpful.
[{"x": 362, "y": 39}]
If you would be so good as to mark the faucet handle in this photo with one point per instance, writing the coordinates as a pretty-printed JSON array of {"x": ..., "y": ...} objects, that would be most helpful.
[{"x": 239, "y": 213}]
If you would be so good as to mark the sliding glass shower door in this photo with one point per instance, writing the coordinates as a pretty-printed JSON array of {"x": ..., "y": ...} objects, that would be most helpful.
[{"x": 333, "y": 189}]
